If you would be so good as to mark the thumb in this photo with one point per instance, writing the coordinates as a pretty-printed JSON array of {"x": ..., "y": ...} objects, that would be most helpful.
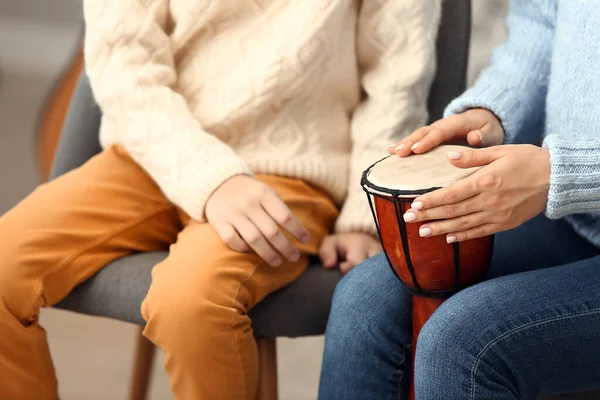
[
  {"x": 346, "y": 266},
  {"x": 475, "y": 138},
  {"x": 469, "y": 158},
  {"x": 328, "y": 252},
  {"x": 374, "y": 249},
  {"x": 481, "y": 137},
  {"x": 487, "y": 135},
  {"x": 355, "y": 256}
]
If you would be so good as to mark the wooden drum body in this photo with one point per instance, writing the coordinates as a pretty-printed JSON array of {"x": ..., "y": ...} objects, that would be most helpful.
[{"x": 430, "y": 267}]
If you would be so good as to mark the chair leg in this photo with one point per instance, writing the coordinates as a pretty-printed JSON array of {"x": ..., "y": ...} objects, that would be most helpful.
[
  {"x": 144, "y": 358},
  {"x": 267, "y": 375}
]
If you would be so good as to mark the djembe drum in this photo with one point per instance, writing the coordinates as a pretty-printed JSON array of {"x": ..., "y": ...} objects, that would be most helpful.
[{"x": 430, "y": 267}]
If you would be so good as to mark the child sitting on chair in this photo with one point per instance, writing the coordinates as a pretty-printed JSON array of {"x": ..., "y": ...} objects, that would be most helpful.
[{"x": 232, "y": 131}]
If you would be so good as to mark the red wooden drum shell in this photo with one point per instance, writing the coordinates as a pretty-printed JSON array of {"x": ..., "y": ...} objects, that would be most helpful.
[
  {"x": 433, "y": 259},
  {"x": 430, "y": 267}
]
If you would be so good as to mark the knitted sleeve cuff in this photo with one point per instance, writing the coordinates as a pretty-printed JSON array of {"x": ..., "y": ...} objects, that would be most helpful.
[
  {"x": 201, "y": 177},
  {"x": 574, "y": 176},
  {"x": 496, "y": 98}
]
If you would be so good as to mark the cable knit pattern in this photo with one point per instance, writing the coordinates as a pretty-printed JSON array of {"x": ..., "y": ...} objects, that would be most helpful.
[
  {"x": 544, "y": 82},
  {"x": 201, "y": 90}
]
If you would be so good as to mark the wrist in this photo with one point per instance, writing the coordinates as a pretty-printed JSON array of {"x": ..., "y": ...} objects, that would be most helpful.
[
  {"x": 547, "y": 165},
  {"x": 546, "y": 172}
]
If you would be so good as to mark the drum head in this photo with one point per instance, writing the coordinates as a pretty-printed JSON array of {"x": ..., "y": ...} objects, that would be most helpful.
[{"x": 416, "y": 174}]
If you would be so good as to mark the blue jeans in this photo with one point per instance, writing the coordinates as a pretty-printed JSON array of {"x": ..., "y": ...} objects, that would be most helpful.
[{"x": 533, "y": 328}]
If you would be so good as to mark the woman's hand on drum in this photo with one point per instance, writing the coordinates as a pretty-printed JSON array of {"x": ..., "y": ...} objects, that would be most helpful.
[
  {"x": 348, "y": 250},
  {"x": 478, "y": 127},
  {"x": 511, "y": 188}
]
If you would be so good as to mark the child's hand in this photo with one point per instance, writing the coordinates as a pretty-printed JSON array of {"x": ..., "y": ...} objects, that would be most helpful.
[
  {"x": 347, "y": 250},
  {"x": 478, "y": 126},
  {"x": 247, "y": 215}
]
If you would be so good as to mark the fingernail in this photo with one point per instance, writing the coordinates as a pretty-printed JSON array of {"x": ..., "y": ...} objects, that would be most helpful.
[
  {"x": 454, "y": 155},
  {"x": 417, "y": 205},
  {"x": 276, "y": 262},
  {"x": 450, "y": 239},
  {"x": 306, "y": 238},
  {"x": 392, "y": 148},
  {"x": 480, "y": 137},
  {"x": 295, "y": 257},
  {"x": 414, "y": 146},
  {"x": 425, "y": 231},
  {"x": 398, "y": 148},
  {"x": 410, "y": 217}
]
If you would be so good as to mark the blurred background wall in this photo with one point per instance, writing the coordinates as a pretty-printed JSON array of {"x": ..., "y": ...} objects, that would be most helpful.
[{"x": 93, "y": 356}]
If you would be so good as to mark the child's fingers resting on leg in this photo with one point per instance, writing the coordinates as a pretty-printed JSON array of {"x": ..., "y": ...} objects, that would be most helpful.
[{"x": 247, "y": 214}]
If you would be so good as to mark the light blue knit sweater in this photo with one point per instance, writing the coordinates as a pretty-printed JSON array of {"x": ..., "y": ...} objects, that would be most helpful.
[{"x": 545, "y": 82}]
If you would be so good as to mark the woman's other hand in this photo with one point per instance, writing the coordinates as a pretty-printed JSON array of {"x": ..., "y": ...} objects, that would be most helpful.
[{"x": 478, "y": 127}]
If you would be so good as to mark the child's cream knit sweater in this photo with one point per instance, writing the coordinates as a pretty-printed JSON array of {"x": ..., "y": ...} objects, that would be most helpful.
[{"x": 201, "y": 90}]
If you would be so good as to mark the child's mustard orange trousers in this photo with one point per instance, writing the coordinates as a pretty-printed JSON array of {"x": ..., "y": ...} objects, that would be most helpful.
[{"x": 197, "y": 307}]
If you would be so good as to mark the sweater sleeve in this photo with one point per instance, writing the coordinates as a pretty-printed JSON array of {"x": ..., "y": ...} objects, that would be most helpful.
[
  {"x": 396, "y": 56},
  {"x": 515, "y": 84},
  {"x": 132, "y": 73},
  {"x": 574, "y": 176}
]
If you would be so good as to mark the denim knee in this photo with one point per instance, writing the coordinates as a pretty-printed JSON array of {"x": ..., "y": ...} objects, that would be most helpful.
[
  {"x": 369, "y": 301},
  {"x": 456, "y": 339},
  {"x": 456, "y": 326},
  {"x": 367, "y": 336}
]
